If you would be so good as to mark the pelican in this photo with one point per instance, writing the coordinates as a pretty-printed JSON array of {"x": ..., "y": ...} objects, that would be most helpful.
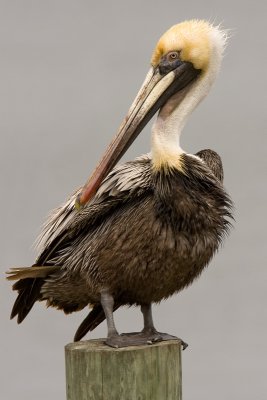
[{"x": 139, "y": 232}]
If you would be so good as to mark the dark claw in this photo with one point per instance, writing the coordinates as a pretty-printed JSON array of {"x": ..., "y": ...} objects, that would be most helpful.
[{"x": 184, "y": 345}]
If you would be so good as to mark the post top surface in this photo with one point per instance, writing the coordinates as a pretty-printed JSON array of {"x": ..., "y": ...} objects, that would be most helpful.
[{"x": 99, "y": 345}]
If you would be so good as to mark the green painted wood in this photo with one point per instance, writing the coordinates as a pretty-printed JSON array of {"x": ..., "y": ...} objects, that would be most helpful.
[{"x": 95, "y": 371}]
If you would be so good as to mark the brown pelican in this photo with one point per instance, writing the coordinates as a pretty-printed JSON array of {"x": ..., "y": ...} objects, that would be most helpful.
[{"x": 145, "y": 229}]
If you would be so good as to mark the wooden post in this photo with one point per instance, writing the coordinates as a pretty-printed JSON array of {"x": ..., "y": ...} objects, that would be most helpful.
[{"x": 95, "y": 371}]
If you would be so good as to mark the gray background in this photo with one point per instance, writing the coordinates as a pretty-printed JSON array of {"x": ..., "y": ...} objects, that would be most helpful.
[{"x": 69, "y": 71}]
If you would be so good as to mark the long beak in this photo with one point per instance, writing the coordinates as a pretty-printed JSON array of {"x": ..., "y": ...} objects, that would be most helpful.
[{"x": 155, "y": 91}]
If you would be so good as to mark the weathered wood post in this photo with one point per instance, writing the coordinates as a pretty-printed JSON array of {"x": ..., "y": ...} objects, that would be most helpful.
[{"x": 97, "y": 372}]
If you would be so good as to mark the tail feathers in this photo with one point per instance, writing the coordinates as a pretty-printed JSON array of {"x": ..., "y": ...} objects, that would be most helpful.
[
  {"x": 93, "y": 319},
  {"x": 29, "y": 293},
  {"x": 32, "y": 272},
  {"x": 30, "y": 281}
]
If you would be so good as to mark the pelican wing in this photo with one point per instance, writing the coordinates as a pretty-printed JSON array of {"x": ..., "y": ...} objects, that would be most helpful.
[{"x": 123, "y": 182}]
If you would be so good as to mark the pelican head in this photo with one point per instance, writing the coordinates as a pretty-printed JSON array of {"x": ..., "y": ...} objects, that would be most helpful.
[{"x": 184, "y": 65}]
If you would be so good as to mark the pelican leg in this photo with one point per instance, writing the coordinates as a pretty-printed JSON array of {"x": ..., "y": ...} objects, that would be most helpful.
[
  {"x": 114, "y": 339},
  {"x": 148, "y": 319},
  {"x": 107, "y": 303},
  {"x": 150, "y": 332}
]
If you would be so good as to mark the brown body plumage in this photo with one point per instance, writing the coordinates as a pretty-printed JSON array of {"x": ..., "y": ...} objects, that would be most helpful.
[{"x": 145, "y": 241}]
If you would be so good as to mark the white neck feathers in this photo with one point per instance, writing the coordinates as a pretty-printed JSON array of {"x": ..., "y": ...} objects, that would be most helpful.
[{"x": 172, "y": 117}]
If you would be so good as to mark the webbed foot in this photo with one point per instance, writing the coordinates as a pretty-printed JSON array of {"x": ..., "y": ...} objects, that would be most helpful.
[
  {"x": 160, "y": 336},
  {"x": 140, "y": 338}
]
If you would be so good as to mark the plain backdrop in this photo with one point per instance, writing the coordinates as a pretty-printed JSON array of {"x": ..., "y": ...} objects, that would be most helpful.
[{"x": 69, "y": 71}]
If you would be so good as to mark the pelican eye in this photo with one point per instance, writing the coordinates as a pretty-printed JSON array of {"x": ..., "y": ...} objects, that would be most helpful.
[
  {"x": 169, "y": 62},
  {"x": 172, "y": 56}
]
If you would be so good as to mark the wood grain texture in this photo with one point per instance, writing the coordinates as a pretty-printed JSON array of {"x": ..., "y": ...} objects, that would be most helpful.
[{"x": 97, "y": 372}]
